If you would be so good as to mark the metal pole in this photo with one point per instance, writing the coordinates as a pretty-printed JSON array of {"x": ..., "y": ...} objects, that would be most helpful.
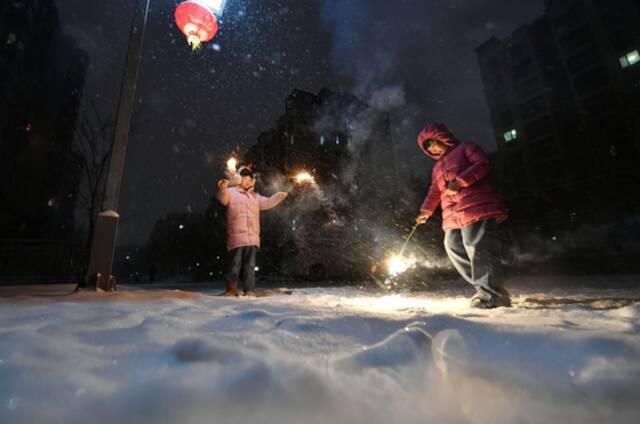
[{"x": 105, "y": 235}]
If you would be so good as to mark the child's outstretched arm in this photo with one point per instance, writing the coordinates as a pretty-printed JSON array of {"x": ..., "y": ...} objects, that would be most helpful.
[
  {"x": 223, "y": 192},
  {"x": 479, "y": 168},
  {"x": 432, "y": 200},
  {"x": 267, "y": 203}
]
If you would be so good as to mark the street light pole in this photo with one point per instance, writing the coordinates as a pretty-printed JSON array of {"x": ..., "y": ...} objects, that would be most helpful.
[{"x": 106, "y": 230}]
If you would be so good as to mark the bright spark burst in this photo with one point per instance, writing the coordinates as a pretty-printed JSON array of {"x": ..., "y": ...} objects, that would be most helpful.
[
  {"x": 232, "y": 164},
  {"x": 304, "y": 178},
  {"x": 397, "y": 265}
]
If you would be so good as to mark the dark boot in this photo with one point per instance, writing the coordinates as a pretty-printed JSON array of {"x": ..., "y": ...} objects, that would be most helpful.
[
  {"x": 232, "y": 289},
  {"x": 486, "y": 300}
]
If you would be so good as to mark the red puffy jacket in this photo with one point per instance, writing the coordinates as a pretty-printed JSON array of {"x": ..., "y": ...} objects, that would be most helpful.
[{"x": 466, "y": 164}]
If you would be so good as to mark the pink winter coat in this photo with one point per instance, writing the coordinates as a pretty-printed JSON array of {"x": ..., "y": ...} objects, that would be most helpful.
[
  {"x": 466, "y": 164},
  {"x": 243, "y": 214}
]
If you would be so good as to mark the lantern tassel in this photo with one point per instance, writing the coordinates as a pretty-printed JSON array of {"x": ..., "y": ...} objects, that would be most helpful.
[{"x": 194, "y": 42}]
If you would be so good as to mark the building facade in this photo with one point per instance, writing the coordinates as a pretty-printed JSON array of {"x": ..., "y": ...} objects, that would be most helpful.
[
  {"x": 563, "y": 94},
  {"x": 42, "y": 76}
]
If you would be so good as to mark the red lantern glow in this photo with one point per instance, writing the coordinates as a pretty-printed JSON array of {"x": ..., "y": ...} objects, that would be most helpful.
[{"x": 197, "y": 22}]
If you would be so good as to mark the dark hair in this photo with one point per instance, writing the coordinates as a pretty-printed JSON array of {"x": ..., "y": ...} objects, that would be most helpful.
[{"x": 246, "y": 172}]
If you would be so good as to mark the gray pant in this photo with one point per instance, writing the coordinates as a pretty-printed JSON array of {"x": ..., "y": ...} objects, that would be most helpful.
[
  {"x": 242, "y": 267},
  {"x": 475, "y": 253}
]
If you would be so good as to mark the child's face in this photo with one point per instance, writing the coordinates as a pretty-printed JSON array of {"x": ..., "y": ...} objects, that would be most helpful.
[
  {"x": 247, "y": 182},
  {"x": 436, "y": 148}
]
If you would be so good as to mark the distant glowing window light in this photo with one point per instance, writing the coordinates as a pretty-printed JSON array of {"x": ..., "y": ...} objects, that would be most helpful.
[
  {"x": 510, "y": 135},
  {"x": 349, "y": 123},
  {"x": 337, "y": 139},
  {"x": 322, "y": 140},
  {"x": 630, "y": 59},
  {"x": 216, "y": 6}
]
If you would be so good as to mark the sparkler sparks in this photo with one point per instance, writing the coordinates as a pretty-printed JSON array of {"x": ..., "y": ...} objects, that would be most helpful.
[
  {"x": 397, "y": 265},
  {"x": 304, "y": 178},
  {"x": 232, "y": 164}
]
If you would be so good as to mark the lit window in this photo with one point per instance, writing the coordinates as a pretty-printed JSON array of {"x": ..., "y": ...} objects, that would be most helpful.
[
  {"x": 349, "y": 123},
  {"x": 337, "y": 139},
  {"x": 52, "y": 202},
  {"x": 630, "y": 59},
  {"x": 322, "y": 140},
  {"x": 510, "y": 135}
]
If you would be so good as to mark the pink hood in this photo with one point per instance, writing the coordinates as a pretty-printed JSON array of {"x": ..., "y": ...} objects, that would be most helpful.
[{"x": 439, "y": 132}]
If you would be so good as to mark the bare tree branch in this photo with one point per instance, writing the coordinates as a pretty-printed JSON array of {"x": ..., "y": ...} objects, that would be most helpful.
[{"x": 93, "y": 142}]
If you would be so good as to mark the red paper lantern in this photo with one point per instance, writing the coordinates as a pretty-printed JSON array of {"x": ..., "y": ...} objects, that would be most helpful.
[{"x": 197, "y": 22}]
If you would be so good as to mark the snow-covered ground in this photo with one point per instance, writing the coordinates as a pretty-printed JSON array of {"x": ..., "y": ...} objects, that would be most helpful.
[{"x": 338, "y": 355}]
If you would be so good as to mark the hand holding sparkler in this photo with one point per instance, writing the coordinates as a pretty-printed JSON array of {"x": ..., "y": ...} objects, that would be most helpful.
[
  {"x": 422, "y": 218},
  {"x": 223, "y": 184}
]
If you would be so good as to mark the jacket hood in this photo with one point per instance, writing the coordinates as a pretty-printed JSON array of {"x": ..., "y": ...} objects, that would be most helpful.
[{"x": 439, "y": 132}]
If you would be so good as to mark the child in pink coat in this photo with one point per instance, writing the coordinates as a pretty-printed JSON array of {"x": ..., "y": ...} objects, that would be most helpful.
[
  {"x": 243, "y": 228},
  {"x": 471, "y": 210}
]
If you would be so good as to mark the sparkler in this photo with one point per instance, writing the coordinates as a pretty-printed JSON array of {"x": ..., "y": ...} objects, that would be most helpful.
[
  {"x": 404, "y": 246},
  {"x": 304, "y": 178},
  {"x": 398, "y": 264},
  {"x": 232, "y": 164}
]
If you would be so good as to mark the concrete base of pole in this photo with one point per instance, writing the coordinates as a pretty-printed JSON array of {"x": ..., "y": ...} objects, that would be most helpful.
[{"x": 103, "y": 248}]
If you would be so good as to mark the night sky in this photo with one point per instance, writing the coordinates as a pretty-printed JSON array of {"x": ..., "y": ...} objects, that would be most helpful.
[{"x": 414, "y": 58}]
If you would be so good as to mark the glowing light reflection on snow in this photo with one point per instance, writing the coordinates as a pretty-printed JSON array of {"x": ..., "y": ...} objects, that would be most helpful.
[{"x": 400, "y": 303}]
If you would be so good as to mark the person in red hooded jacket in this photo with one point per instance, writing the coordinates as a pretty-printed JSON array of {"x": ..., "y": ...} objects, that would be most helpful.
[{"x": 471, "y": 210}]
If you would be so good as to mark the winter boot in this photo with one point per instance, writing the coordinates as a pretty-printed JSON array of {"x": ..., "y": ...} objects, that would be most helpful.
[
  {"x": 485, "y": 300},
  {"x": 232, "y": 289}
]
